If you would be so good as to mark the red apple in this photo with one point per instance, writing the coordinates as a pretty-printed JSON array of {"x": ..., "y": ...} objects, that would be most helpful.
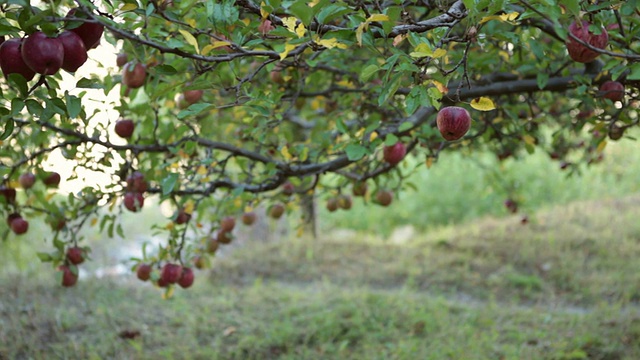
[
  {"x": 395, "y": 153},
  {"x": 122, "y": 59},
  {"x": 12, "y": 217},
  {"x": 332, "y": 204},
  {"x": 511, "y": 205},
  {"x": 134, "y": 74},
  {"x": 186, "y": 280},
  {"x": 384, "y": 197},
  {"x": 90, "y": 32},
  {"x": 133, "y": 201},
  {"x": 68, "y": 277},
  {"x": 359, "y": 188},
  {"x": 124, "y": 128},
  {"x": 19, "y": 225},
  {"x": 453, "y": 122},
  {"x": 11, "y": 60},
  {"x": 162, "y": 283},
  {"x": 579, "y": 52},
  {"x": 224, "y": 237},
  {"x": 75, "y": 54},
  {"x": 27, "y": 180},
  {"x": 43, "y": 54},
  {"x": 182, "y": 217},
  {"x": 143, "y": 272},
  {"x": 276, "y": 211},
  {"x": 228, "y": 224},
  {"x": 288, "y": 189},
  {"x": 192, "y": 96},
  {"x": 249, "y": 218},
  {"x": 136, "y": 182},
  {"x": 612, "y": 90},
  {"x": 9, "y": 194},
  {"x": 171, "y": 273},
  {"x": 75, "y": 255},
  {"x": 52, "y": 179}
]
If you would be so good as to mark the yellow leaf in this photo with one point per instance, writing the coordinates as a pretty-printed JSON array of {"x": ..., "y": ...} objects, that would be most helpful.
[
  {"x": 285, "y": 152},
  {"x": 422, "y": 50},
  {"x": 378, "y": 17},
  {"x": 237, "y": 202},
  {"x": 202, "y": 170},
  {"x": 601, "y": 146},
  {"x": 49, "y": 196},
  {"x": 300, "y": 231},
  {"x": 207, "y": 49},
  {"x": 129, "y": 7},
  {"x": 287, "y": 49},
  {"x": 190, "y": 39},
  {"x": 429, "y": 162},
  {"x": 528, "y": 139},
  {"x": 331, "y": 43},
  {"x": 440, "y": 86},
  {"x": 263, "y": 12},
  {"x": 192, "y": 23},
  {"x": 290, "y": 23},
  {"x": 398, "y": 39},
  {"x": 346, "y": 83},
  {"x": 483, "y": 104},
  {"x": 301, "y": 30},
  {"x": 439, "y": 53},
  {"x": 189, "y": 207},
  {"x": 504, "y": 17},
  {"x": 170, "y": 226},
  {"x": 94, "y": 221},
  {"x": 373, "y": 136},
  {"x": 361, "y": 28}
]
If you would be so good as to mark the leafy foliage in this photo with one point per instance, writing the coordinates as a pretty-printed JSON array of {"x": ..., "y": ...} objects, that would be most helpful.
[{"x": 240, "y": 98}]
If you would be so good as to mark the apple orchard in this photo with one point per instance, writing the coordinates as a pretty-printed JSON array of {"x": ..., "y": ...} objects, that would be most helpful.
[{"x": 227, "y": 106}]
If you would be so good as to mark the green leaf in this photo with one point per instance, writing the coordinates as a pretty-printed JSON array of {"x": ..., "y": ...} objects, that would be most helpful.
[
  {"x": 225, "y": 13},
  {"x": 85, "y": 83},
  {"x": 8, "y": 128},
  {"x": 635, "y": 72},
  {"x": 543, "y": 79},
  {"x": 193, "y": 110},
  {"x": 390, "y": 140},
  {"x": 16, "y": 106},
  {"x": 389, "y": 90},
  {"x": 18, "y": 81},
  {"x": 331, "y": 12},
  {"x": 74, "y": 105},
  {"x": 165, "y": 69},
  {"x": 169, "y": 183},
  {"x": 356, "y": 152},
  {"x": 368, "y": 71},
  {"x": 302, "y": 11},
  {"x": 44, "y": 257}
]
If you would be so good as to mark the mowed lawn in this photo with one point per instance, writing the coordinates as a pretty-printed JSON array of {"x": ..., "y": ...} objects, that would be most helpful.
[{"x": 566, "y": 285}]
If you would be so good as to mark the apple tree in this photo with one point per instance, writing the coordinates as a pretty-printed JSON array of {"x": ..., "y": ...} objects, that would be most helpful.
[{"x": 224, "y": 106}]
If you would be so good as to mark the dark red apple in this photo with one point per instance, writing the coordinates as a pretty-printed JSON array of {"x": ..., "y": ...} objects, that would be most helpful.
[
  {"x": 248, "y": 218},
  {"x": 19, "y": 225},
  {"x": 122, "y": 59},
  {"x": 395, "y": 153},
  {"x": 124, "y": 128},
  {"x": 143, "y": 272},
  {"x": 75, "y": 54},
  {"x": 89, "y": 32},
  {"x": 162, "y": 283},
  {"x": 182, "y": 217},
  {"x": 332, "y": 204},
  {"x": 133, "y": 201},
  {"x": 52, "y": 179},
  {"x": 288, "y": 189},
  {"x": 344, "y": 202},
  {"x": 192, "y": 96},
  {"x": 43, "y": 54},
  {"x": 9, "y": 194},
  {"x": 228, "y": 224},
  {"x": 11, "y": 60},
  {"x": 276, "y": 211},
  {"x": 186, "y": 280},
  {"x": 384, "y": 197},
  {"x": 224, "y": 237},
  {"x": 134, "y": 74},
  {"x": 171, "y": 273},
  {"x": 359, "y": 188},
  {"x": 511, "y": 205},
  {"x": 68, "y": 277},
  {"x": 579, "y": 52},
  {"x": 27, "y": 180},
  {"x": 612, "y": 90},
  {"x": 75, "y": 255},
  {"x": 12, "y": 217},
  {"x": 453, "y": 122},
  {"x": 136, "y": 182},
  {"x": 212, "y": 245},
  {"x": 616, "y": 132}
]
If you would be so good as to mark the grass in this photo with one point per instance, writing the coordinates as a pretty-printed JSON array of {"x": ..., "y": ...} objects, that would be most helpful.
[{"x": 564, "y": 286}]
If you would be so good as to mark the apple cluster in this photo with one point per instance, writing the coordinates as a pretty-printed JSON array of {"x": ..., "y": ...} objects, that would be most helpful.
[
  {"x": 15, "y": 221},
  {"x": 39, "y": 53},
  {"x": 135, "y": 188}
]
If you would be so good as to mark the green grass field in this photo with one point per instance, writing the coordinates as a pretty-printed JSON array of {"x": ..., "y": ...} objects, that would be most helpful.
[{"x": 471, "y": 283}]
